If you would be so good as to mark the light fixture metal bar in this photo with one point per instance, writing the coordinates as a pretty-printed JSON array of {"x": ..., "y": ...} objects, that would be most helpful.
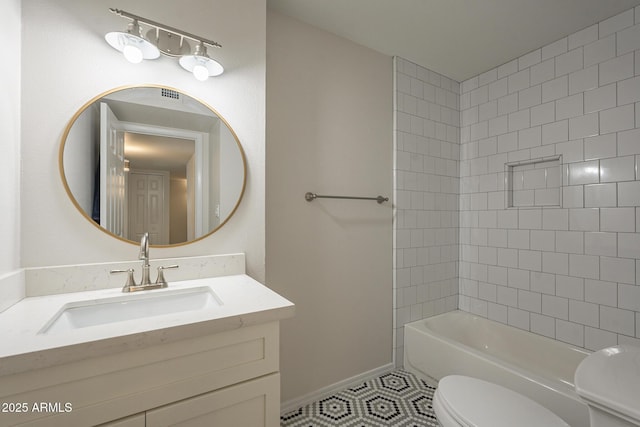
[{"x": 164, "y": 27}]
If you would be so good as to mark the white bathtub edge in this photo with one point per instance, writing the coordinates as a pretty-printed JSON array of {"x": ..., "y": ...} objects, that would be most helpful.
[{"x": 455, "y": 358}]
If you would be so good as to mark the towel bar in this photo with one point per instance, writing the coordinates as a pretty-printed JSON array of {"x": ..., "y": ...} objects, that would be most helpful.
[{"x": 309, "y": 196}]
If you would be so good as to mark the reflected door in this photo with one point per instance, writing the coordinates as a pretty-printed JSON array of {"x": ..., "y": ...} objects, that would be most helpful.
[
  {"x": 112, "y": 175},
  {"x": 149, "y": 206}
]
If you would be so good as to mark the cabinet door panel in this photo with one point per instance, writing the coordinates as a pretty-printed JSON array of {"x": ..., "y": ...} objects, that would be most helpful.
[
  {"x": 250, "y": 404},
  {"x": 132, "y": 421}
]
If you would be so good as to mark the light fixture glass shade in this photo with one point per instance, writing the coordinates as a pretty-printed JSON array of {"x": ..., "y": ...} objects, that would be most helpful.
[
  {"x": 134, "y": 47},
  {"x": 200, "y": 64}
]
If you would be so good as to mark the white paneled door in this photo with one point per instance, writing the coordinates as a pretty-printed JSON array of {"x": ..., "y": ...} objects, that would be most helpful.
[
  {"x": 149, "y": 206},
  {"x": 112, "y": 175}
]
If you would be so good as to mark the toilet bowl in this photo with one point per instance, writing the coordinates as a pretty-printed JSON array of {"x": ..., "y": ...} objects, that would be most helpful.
[
  {"x": 461, "y": 401},
  {"x": 609, "y": 382}
]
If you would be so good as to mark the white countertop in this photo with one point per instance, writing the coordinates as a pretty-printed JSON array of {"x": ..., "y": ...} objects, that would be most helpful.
[{"x": 244, "y": 302}]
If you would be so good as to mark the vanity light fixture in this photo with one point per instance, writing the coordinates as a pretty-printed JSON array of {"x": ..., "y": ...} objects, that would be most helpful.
[{"x": 167, "y": 40}]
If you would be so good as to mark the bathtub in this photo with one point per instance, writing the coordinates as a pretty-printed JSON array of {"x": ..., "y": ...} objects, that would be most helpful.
[{"x": 535, "y": 366}]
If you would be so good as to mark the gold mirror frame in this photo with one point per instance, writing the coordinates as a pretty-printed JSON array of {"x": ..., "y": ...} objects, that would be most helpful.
[{"x": 89, "y": 103}]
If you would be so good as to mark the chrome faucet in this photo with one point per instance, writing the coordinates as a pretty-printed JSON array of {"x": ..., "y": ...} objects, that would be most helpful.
[
  {"x": 144, "y": 256},
  {"x": 145, "y": 282}
]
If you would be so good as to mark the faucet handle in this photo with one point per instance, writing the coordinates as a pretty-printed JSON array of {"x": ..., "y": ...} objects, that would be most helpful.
[
  {"x": 161, "y": 280},
  {"x": 130, "y": 279}
]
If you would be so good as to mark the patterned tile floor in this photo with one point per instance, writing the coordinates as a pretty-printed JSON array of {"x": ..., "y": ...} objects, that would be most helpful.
[{"x": 397, "y": 399}]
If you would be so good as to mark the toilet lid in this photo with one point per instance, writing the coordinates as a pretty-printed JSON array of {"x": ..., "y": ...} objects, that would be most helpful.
[{"x": 476, "y": 403}]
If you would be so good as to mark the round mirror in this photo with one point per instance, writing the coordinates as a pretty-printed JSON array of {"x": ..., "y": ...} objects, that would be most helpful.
[{"x": 152, "y": 159}]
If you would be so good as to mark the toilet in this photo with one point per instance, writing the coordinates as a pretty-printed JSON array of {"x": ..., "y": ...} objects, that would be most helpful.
[
  {"x": 608, "y": 381},
  {"x": 461, "y": 401}
]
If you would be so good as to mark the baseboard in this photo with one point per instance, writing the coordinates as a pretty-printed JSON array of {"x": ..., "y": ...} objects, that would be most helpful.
[{"x": 298, "y": 402}]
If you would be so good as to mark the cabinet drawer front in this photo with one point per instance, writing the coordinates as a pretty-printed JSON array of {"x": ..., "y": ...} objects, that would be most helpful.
[
  {"x": 254, "y": 403},
  {"x": 174, "y": 372},
  {"x": 132, "y": 421}
]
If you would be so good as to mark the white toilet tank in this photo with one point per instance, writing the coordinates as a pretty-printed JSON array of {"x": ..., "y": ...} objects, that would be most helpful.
[{"x": 609, "y": 382}]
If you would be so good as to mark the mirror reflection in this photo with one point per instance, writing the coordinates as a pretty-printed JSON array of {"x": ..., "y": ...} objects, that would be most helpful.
[{"x": 152, "y": 159}]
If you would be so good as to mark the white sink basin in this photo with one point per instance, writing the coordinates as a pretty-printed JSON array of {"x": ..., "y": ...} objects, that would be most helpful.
[{"x": 82, "y": 314}]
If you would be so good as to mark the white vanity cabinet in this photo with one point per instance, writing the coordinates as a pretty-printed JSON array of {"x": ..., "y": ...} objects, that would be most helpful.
[
  {"x": 205, "y": 363},
  {"x": 228, "y": 378},
  {"x": 251, "y": 403}
]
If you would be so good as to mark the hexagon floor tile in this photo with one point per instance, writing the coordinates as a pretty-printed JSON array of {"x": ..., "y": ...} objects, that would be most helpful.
[{"x": 397, "y": 399}]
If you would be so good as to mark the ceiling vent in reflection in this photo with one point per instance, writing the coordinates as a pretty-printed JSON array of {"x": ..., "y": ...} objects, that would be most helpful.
[{"x": 168, "y": 93}]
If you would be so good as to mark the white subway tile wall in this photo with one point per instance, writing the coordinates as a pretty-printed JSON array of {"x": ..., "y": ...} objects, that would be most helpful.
[
  {"x": 552, "y": 251},
  {"x": 427, "y": 183},
  {"x": 570, "y": 272}
]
